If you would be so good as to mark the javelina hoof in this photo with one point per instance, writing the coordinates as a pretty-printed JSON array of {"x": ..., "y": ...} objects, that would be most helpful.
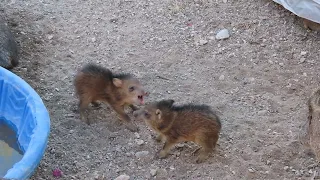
[
  {"x": 163, "y": 154},
  {"x": 8, "y": 47},
  {"x": 159, "y": 138},
  {"x": 132, "y": 127},
  {"x": 96, "y": 105}
]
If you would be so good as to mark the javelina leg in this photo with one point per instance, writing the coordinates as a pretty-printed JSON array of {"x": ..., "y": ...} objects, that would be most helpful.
[
  {"x": 207, "y": 146},
  {"x": 166, "y": 148},
  {"x": 83, "y": 105},
  {"x": 125, "y": 118},
  {"x": 159, "y": 138},
  {"x": 95, "y": 105},
  {"x": 133, "y": 107}
]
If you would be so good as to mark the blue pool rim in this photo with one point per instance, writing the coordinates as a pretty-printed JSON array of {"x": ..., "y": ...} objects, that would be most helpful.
[{"x": 40, "y": 132}]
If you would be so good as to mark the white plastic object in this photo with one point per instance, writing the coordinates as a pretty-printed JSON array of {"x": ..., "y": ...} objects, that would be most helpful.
[{"x": 308, "y": 9}]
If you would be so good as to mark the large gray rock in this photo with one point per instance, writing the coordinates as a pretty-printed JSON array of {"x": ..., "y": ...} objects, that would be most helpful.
[{"x": 8, "y": 47}]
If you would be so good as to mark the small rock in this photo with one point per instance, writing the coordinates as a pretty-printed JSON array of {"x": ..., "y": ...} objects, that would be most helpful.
[
  {"x": 302, "y": 60},
  {"x": 137, "y": 135},
  {"x": 50, "y": 36},
  {"x": 181, "y": 145},
  {"x": 224, "y": 1},
  {"x": 223, "y": 34},
  {"x": 304, "y": 74},
  {"x": 310, "y": 171},
  {"x": 268, "y": 162},
  {"x": 141, "y": 154},
  {"x": 139, "y": 142},
  {"x": 286, "y": 168},
  {"x": 123, "y": 177},
  {"x": 211, "y": 37},
  {"x": 93, "y": 39},
  {"x": 221, "y": 78},
  {"x": 251, "y": 170},
  {"x": 281, "y": 64},
  {"x": 114, "y": 20},
  {"x": 153, "y": 172},
  {"x": 303, "y": 53},
  {"x": 203, "y": 42}
]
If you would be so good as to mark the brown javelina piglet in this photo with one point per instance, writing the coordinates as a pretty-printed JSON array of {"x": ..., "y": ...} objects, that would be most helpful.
[
  {"x": 94, "y": 83},
  {"x": 175, "y": 124}
]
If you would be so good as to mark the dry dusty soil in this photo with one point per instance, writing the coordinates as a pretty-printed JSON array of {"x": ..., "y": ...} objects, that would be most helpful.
[{"x": 258, "y": 81}]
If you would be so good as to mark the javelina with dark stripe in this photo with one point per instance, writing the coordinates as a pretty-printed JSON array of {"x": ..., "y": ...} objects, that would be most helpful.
[
  {"x": 176, "y": 124},
  {"x": 95, "y": 83}
]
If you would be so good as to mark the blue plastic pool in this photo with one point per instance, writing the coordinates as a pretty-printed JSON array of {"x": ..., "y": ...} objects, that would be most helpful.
[{"x": 22, "y": 110}]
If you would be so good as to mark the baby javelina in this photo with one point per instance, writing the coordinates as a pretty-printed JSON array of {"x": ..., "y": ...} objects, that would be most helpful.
[
  {"x": 176, "y": 124},
  {"x": 94, "y": 83}
]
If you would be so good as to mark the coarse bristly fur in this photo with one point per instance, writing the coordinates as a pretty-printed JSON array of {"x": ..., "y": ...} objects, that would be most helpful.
[
  {"x": 174, "y": 124},
  {"x": 314, "y": 123},
  {"x": 94, "y": 83}
]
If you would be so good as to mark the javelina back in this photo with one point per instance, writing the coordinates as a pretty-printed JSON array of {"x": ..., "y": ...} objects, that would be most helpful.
[
  {"x": 176, "y": 124},
  {"x": 95, "y": 83}
]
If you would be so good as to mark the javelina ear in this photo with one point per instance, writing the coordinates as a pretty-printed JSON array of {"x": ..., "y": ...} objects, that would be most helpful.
[
  {"x": 170, "y": 102},
  {"x": 117, "y": 82},
  {"x": 158, "y": 113}
]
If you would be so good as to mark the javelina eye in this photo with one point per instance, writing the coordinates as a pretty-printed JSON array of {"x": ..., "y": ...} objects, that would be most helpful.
[
  {"x": 131, "y": 88},
  {"x": 146, "y": 114}
]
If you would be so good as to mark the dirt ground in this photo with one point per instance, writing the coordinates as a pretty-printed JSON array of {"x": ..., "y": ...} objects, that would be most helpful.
[{"x": 258, "y": 81}]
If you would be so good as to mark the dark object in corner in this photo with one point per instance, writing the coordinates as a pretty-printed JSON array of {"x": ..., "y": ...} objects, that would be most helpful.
[
  {"x": 8, "y": 47},
  {"x": 311, "y": 25}
]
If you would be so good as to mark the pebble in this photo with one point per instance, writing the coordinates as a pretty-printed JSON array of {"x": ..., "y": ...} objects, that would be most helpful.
[
  {"x": 221, "y": 78},
  {"x": 286, "y": 168},
  {"x": 281, "y": 64},
  {"x": 153, "y": 172},
  {"x": 223, "y": 34},
  {"x": 303, "y": 53},
  {"x": 224, "y": 1},
  {"x": 137, "y": 135},
  {"x": 302, "y": 60},
  {"x": 203, "y": 42},
  {"x": 93, "y": 39},
  {"x": 50, "y": 36},
  {"x": 268, "y": 162},
  {"x": 141, "y": 154},
  {"x": 251, "y": 170},
  {"x": 123, "y": 177},
  {"x": 139, "y": 142}
]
